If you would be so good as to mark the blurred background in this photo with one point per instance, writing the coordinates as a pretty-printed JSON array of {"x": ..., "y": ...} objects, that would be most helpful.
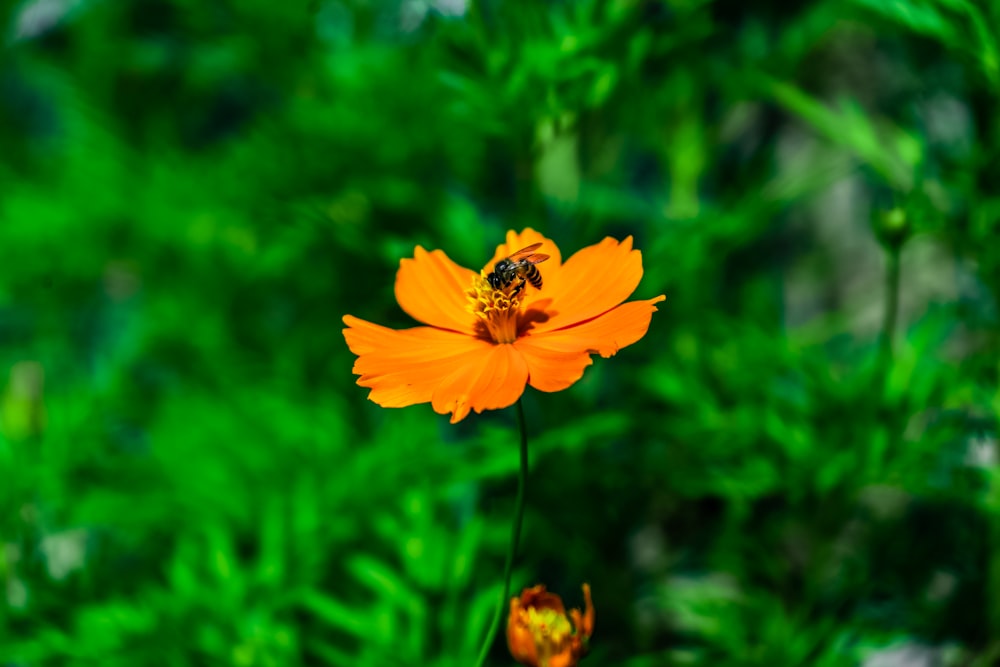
[{"x": 796, "y": 466}]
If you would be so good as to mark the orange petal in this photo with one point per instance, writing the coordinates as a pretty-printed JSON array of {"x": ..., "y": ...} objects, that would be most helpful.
[
  {"x": 431, "y": 289},
  {"x": 539, "y": 598},
  {"x": 592, "y": 281},
  {"x": 584, "y": 623},
  {"x": 566, "y": 658},
  {"x": 406, "y": 367},
  {"x": 551, "y": 366},
  {"x": 489, "y": 380},
  {"x": 519, "y": 638},
  {"x": 556, "y": 359}
]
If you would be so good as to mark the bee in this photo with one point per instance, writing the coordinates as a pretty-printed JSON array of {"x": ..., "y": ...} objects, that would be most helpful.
[{"x": 520, "y": 268}]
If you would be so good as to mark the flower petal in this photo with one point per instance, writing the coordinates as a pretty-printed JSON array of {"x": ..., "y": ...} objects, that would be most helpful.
[
  {"x": 584, "y": 623},
  {"x": 404, "y": 367},
  {"x": 489, "y": 380},
  {"x": 519, "y": 638},
  {"x": 539, "y": 598},
  {"x": 592, "y": 281},
  {"x": 556, "y": 359},
  {"x": 431, "y": 289},
  {"x": 551, "y": 366}
]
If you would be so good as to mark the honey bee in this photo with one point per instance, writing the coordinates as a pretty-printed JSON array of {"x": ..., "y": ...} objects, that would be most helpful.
[{"x": 519, "y": 267}]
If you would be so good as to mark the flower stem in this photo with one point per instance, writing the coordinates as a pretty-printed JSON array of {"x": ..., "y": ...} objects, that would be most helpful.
[
  {"x": 891, "y": 303},
  {"x": 515, "y": 536}
]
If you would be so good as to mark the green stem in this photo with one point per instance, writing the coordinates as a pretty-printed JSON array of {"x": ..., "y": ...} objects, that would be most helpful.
[
  {"x": 891, "y": 302},
  {"x": 515, "y": 536}
]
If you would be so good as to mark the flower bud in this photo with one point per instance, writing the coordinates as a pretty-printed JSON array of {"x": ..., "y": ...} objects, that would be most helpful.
[
  {"x": 540, "y": 634},
  {"x": 893, "y": 227}
]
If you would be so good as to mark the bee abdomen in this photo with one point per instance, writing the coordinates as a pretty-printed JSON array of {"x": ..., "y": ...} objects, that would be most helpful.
[{"x": 534, "y": 276}]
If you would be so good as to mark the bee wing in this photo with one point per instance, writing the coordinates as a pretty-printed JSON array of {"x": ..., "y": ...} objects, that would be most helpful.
[
  {"x": 524, "y": 252},
  {"x": 536, "y": 258},
  {"x": 529, "y": 255}
]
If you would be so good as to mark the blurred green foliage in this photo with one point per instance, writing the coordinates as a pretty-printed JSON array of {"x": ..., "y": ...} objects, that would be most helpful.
[{"x": 797, "y": 466}]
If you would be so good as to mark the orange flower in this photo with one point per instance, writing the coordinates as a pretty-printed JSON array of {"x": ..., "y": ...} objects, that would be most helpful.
[
  {"x": 483, "y": 345},
  {"x": 540, "y": 635}
]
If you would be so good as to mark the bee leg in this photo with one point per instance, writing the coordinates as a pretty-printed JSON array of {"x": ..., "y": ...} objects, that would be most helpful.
[{"x": 520, "y": 286}]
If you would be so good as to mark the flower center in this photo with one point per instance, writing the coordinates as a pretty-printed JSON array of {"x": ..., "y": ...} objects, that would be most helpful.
[
  {"x": 496, "y": 310},
  {"x": 550, "y": 630}
]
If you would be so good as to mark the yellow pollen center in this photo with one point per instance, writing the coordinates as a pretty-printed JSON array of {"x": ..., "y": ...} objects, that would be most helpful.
[
  {"x": 549, "y": 629},
  {"x": 496, "y": 310}
]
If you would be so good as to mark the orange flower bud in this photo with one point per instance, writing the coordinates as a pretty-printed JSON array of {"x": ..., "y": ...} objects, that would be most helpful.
[{"x": 539, "y": 633}]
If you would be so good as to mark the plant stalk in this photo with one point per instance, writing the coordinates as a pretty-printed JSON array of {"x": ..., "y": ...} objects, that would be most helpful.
[
  {"x": 891, "y": 302},
  {"x": 515, "y": 537}
]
